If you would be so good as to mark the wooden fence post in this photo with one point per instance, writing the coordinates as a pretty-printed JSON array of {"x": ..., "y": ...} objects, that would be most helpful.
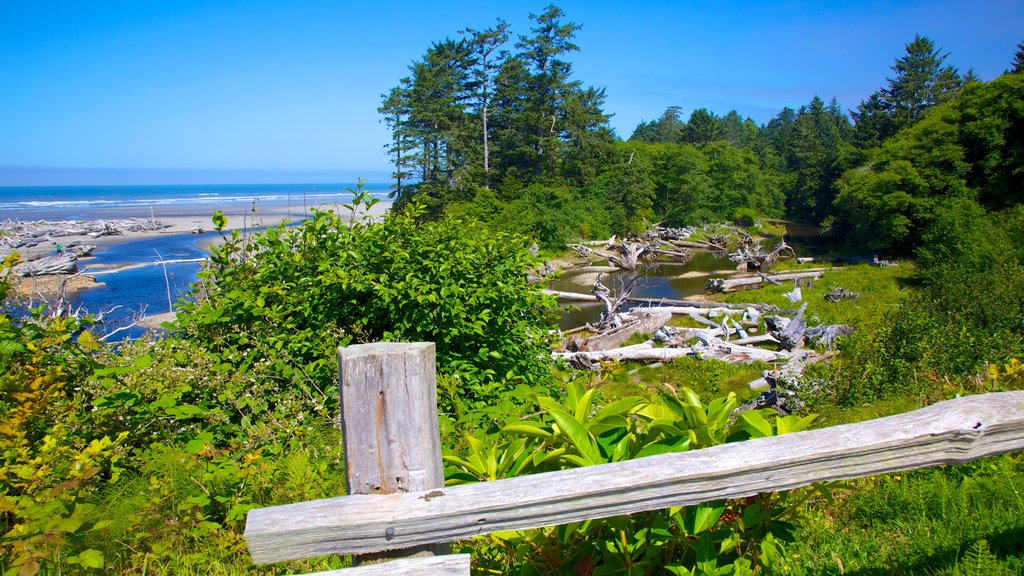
[{"x": 389, "y": 425}]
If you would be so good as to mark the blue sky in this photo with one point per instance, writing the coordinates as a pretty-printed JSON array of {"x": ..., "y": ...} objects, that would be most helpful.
[{"x": 261, "y": 91}]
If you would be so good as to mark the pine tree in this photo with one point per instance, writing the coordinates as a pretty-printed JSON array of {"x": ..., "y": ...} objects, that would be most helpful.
[
  {"x": 1018, "y": 59},
  {"x": 922, "y": 81},
  {"x": 485, "y": 66}
]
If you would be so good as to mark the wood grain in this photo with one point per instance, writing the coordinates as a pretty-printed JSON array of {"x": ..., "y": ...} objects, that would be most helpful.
[{"x": 389, "y": 423}]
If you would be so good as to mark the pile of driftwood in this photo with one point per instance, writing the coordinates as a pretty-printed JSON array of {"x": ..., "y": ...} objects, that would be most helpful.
[
  {"x": 63, "y": 263},
  {"x": 728, "y": 332},
  {"x": 629, "y": 255},
  {"x": 15, "y": 234},
  {"x": 42, "y": 247}
]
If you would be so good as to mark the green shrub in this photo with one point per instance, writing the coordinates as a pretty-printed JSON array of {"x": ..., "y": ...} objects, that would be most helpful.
[{"x": 296, "y": 294}]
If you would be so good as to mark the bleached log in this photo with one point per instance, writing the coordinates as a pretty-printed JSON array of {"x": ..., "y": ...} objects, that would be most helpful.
[
  {"x": 144, "y": 265},
  {"x": 638, "y": 353},
  {"x": 950, "y": 432},
  {"x": 48, "y": 265},
  {"x": 686, "y": 310},
  {"x": 634, "y": 323},
  {"x": 691, "y": 303},
  {"x": 570, "y": 296},
  {"x": 713, "y": 347},
  {"x": 731, "y": 284}
]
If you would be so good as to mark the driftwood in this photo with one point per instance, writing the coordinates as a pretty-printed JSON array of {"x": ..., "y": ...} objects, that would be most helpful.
[
  {"x": 793, "y": 335},
  {"x": 711, "y": 346},
  {"x": 750, "y": 255},
  {"x": 640, "y": 352},
  {"x": 733, "y": 284},
  {"x": 692, "y": 303},
  {"x": 610, "y": 317},
  {"x": 631, "y": 254},
  {"x": 24, "y": 234},
  {"x": 837, "y": 294},
  {"x": 62, "y": 264},
  {"x": 826, "y": 335},
  {"x": 645, "y": 322},
  {"x": 570, "y": 296}
]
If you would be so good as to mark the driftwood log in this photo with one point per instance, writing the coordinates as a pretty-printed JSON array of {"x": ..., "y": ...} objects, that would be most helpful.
[
  {"x": 48, "y": 265},
  {"x": 733, "y": 284},
  {"x": 645, "y": 322},
  {"x": 750, "y": 255}
]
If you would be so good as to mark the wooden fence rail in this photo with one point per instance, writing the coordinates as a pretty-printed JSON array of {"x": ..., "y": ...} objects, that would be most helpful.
[{"x": 950, "y": 432}]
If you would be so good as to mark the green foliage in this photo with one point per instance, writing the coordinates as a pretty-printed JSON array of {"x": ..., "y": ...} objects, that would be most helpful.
[
  {"x": 921, "y": 82},
  {"x": 968, "y": 311},
  {"x": 953, "y": 521},
  {"x": 473, "y": 114},
  {"x": 286, "y": 298},
  {"x": 721, "y": 537},
  {"x": 964, "y": 149},
  {"x": 697, "y": 185}
]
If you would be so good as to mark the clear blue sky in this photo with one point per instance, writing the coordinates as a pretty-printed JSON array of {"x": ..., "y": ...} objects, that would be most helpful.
[{"x": 152, "y": 91}]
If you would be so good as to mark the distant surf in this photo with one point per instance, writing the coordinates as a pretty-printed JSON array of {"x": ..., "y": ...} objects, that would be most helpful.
[{"x": 99, "y": 202}]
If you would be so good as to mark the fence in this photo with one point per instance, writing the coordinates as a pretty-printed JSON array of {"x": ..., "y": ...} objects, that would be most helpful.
[{"x": 398, "y": 509}]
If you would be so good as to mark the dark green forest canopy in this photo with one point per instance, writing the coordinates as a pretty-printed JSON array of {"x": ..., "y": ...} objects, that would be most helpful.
[{"x": 495, "y": 127}]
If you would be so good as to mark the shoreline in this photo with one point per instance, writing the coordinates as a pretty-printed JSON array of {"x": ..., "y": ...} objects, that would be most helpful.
[{"x": 189, "y": 222}]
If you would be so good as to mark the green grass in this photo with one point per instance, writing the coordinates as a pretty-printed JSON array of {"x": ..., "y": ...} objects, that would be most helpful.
[
  {"x": 880, "y": 290},
  {"x": 955, "y": 520}
]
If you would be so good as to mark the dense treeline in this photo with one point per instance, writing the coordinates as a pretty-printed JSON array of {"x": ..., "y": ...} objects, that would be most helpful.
[{"x": 506, "y": 135}]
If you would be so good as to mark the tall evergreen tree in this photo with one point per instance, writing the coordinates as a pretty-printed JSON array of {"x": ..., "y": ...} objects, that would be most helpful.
[
  {"x": 703, "y": 127},
  {"x": 549, "y": 82},
  {"x": 485, "y": 66},
  {"x": 922, "y": 80},
  {"x": 1018, "y": 59},
  {"x": 667, "y": 129},
  {"x": 396, "y": 108}
]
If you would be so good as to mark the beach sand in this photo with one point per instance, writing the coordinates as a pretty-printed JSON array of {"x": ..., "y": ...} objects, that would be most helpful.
[{"x": 45, "y": 287}]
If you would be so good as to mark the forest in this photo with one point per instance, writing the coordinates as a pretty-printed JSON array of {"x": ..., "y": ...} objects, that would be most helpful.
[{"x": 145, "y": 457}]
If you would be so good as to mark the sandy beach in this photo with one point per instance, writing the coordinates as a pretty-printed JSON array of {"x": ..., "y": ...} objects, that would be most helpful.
[{"x": 185, "y": 222}]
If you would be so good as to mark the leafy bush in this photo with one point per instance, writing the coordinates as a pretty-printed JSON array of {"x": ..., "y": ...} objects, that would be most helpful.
[{"x": 295, "y": 294}]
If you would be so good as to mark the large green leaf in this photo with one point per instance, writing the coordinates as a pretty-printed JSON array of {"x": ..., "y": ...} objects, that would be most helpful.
[
  {"x": 578, "y": 435},
  {"x": 705, "y": 517},
  {"x": 666, "y": 446},
  {"x": 527, "y": 429},
  {"x": 758, "y": 426}
]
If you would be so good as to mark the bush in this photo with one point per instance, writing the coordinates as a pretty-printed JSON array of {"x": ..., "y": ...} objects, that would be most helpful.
[{"x": 297, "y": 293}]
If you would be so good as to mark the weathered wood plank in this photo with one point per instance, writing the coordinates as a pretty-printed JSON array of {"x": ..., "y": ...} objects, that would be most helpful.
[
  {"x": 949, "y": 432},
  {"x": 451, "y": 565},
  {"x": 389, "y": 421}
]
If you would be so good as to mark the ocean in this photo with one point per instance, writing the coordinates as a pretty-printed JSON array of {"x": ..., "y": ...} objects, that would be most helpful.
[
  {"x": 153, "y": 290},
  {"x": 96, "y": 202}
]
